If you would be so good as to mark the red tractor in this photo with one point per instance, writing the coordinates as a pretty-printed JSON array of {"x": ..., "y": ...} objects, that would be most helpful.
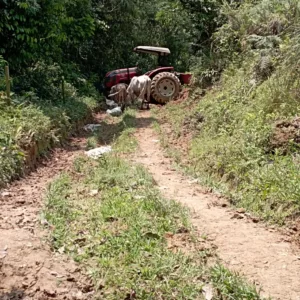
[{"x": 166, "y": 83}]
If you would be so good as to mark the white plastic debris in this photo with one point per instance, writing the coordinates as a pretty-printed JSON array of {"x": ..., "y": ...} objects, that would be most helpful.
[
  {"x": 44, "y": 221},
  {"x": 5, "y": 194},
  {"x": 94, "y": 193},
  {"x": 3, "y": 254},
  {"x": 91, "y": 127},
  {"x": 115, "y": 112},
  {"x": 207, "y": 291},
  {"x": 111, "y": 103},
  {"x": 98, "y": 152}
]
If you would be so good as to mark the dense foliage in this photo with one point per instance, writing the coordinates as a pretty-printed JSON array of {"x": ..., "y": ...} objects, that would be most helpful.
[
  {"x": 44, "y": 41},
  {"x": 100, "y": 35},
  {"x": 246, "y": 128}
]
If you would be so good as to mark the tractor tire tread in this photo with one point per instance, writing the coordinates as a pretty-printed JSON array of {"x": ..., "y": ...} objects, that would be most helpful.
[{"x": 154, "y": 91}]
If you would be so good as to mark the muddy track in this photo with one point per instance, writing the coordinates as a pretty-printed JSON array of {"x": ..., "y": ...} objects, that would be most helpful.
[
  {"x": 28, "y": 267},
  {"x": 260, "y": 253}
]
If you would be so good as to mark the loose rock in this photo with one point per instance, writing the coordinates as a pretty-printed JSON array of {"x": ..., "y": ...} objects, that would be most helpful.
[
  {"x": 237, "y": 216},
  {"x": 241, "y": 210}
]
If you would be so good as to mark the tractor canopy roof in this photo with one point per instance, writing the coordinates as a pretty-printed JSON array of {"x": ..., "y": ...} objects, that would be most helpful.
[{"x": 152, "y": 50}]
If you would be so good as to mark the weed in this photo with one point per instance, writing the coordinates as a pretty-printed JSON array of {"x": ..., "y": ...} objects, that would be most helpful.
[
  {"x": 92, "y": 142},
  {"x": 230, "y": 285},
  {"x": 233, "y": 146},
  {"x": 119, "y": 132}
]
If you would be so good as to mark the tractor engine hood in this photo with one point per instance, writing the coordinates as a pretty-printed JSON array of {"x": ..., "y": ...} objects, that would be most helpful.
[{"x": 152, "y": 50}]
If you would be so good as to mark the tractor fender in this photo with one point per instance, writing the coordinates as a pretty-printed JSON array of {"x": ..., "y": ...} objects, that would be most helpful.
[
  {"x": 152, "y": 73},
  {"x": 185, "y": 78}
]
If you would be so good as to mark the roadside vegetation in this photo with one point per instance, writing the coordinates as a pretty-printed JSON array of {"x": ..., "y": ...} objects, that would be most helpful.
[
  {"x": 59, "y": 51},
  {"x": 31, "y": 125},
  {"x": 245, "y": 129},
  {"x": 109, "y": 216}
]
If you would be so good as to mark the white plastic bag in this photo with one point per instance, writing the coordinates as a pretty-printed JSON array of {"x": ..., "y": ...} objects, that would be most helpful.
[
  {"x": 91, "y": 127},
  {"x": 111, "y": 103},
  {"x": 98, "y": 152},
  {"x": 115, "y": 112}
]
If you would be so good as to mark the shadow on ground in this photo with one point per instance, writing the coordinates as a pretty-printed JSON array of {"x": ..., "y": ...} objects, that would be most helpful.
[
  {"x": 14, "y": 294},
  {"x": 111, "y": 131}
]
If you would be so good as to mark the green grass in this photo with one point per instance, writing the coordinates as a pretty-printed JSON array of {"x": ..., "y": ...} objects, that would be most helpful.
[
  {"x": 231, "y": 148},
  {"x": 126, "y": 142},
  {"x": 110, "y": 217},
  {"x": 120, "y": 235},
  {"x": 235, "y": 146},
  {"x": 44, "y": 124},
  {"x": 92, "y": 142},
  {"x": 230, "y": 285},
  {"x": 117, "y": 131}
]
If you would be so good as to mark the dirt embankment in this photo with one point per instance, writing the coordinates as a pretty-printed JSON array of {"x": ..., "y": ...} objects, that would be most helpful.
[{"x": 286, "y": 135}]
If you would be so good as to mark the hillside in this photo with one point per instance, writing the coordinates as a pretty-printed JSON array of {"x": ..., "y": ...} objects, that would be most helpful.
[
  {"x": 196, "y": 198},
  {"x": 245, "y": 130}
]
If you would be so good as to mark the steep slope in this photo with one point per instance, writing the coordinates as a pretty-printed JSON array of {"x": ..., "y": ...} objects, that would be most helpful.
[{"x": 246, "y": 128}]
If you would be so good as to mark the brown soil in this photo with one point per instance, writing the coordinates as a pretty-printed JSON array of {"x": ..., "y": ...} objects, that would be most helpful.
[
  {"x": 28, "y": 267},
  {"x": 284, "y": 133},
  {"x": 191, "y": 125},
  {"x": 262, "y": 254},
  {"x": 184, "y": 243}
]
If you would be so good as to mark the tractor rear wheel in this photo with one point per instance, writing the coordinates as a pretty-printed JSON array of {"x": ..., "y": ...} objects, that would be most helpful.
[{"x": 165, "y": 86}]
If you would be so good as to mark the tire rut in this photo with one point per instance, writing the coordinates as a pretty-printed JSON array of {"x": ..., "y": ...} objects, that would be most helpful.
[
  {"x": 259, "y": 253},
  {"x": 28, "y": 267}
]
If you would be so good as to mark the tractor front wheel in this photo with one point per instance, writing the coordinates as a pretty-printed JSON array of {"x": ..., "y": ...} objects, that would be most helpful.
[{"x": 165, "y": 86}]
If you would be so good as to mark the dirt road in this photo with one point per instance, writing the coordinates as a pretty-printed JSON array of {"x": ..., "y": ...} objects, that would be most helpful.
[
  {"x": 252, "y": 249},
  {"x": 28, "y": 267},
  {"x": 30, "y": 270}
]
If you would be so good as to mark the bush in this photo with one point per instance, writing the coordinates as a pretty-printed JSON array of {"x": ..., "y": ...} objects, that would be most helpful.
[
  {"x": 44, "y": 124},
  {"x": 42, "y": 79},
  {"x": 248, "y": 141},
  {"x": 248, "y": 27}
]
